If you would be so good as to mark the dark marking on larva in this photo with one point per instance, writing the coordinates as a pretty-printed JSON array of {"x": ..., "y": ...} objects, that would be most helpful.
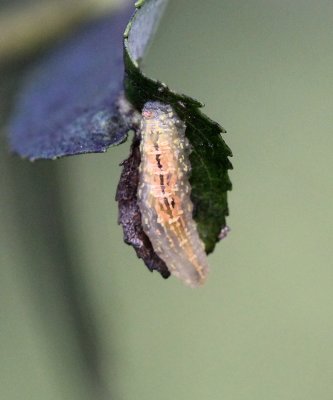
[
  {"x": 162, "y": 183},
  {"x": 158, "y": 159},
  {"x": 166, "y": 202}
]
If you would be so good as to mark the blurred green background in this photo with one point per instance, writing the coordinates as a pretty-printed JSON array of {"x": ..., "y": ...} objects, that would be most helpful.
[{"x": 82, "y": 318}]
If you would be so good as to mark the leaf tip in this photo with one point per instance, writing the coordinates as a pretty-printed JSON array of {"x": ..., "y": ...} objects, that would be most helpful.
[{"x": 139, "y": 3}]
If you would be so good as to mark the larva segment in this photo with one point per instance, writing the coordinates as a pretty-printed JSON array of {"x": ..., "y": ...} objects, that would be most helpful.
[{"x": 164, "y": 194}]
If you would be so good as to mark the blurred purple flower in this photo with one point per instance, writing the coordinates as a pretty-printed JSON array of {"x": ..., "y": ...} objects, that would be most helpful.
[{"x": 69, "y": 102}]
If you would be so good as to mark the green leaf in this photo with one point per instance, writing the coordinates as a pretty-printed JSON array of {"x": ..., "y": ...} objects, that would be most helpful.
[{"x": 209, "y": 157}]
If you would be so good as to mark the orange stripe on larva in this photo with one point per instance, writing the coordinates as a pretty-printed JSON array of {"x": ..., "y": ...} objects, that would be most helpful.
[{"x": 164, "y": 194}]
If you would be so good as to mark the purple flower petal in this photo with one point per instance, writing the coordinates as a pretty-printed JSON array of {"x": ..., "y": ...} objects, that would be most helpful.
[{"x": 68, "y": 103}]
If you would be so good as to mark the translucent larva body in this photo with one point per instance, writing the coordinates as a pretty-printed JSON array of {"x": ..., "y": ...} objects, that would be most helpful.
[{"x": 164, "y": 194}]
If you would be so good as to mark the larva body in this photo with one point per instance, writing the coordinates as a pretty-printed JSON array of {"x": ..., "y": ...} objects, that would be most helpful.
[{"x": 164, "y": 194}]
